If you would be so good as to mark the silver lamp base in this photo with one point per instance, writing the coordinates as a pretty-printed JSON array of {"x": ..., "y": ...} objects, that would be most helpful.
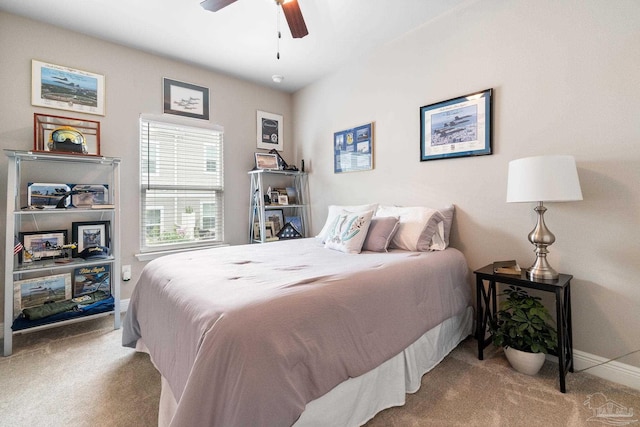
[{"x": 541, "y": 237}]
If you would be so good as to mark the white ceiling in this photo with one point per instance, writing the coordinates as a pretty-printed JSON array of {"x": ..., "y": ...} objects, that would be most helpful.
[{"x": 241, "y": 39}]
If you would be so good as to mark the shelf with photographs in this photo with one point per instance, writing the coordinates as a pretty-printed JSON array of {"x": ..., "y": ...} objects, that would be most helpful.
[
  {"x": 279, "y": 205},
  {"x": 63, "y": 223}
]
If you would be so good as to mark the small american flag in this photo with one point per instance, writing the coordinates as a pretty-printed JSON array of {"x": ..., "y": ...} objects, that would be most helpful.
[{"x": 17, "y": 246}]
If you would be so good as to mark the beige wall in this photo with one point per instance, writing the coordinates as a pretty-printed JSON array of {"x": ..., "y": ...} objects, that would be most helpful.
[
  {"x": 566, "y": 81},
  {"x": 133, "y": 86}
]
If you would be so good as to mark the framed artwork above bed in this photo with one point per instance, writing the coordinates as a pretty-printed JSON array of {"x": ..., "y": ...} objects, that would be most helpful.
[{"x": 457, "y": 127}]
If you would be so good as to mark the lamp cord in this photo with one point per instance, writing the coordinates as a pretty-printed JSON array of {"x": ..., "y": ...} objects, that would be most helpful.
[{"x": 607, "y": 361}]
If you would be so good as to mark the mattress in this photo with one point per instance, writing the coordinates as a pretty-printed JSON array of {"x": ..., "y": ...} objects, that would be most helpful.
[{"x": 249, "y": 335}]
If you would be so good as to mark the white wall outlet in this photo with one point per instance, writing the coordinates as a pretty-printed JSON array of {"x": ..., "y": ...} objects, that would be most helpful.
[{"x": 126, "y": 273}]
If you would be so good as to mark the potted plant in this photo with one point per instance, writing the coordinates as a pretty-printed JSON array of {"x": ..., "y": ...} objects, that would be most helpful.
[{"x": 521, "y": 327}]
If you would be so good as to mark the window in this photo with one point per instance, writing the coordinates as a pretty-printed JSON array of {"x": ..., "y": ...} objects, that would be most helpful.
[{"x": 182, "y": 201}]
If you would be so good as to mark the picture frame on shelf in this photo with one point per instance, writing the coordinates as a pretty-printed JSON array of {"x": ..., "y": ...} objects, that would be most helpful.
[
  {"x": 457, "y": 127},
  {"x": 273, "y": 196},
  {"x": 65, "y": 88},
  {"x": 275, "y": 216},
  {"x": 90, "y": 279},
  {"x": 269, "y": 127},
  {"x": 89, "y": 195},
  {"x": 66, "y": 135},
  {"x": 40, "y": 290},
  {"x": 47, "y": 195},
  {"x": 39, "y": 245},
  {"x": 353, "y": 149},
  {"x": 283, "y": 199},
  {"x": 88, "y": 234},
  {"x": 266, "y": 161},
  {"x": 185, "y": 99}
]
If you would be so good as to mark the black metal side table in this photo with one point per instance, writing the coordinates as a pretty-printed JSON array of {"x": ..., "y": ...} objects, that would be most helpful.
[{"x": 487, "y": 308}]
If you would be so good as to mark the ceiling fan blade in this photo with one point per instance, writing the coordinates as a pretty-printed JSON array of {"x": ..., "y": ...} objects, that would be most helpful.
[
  {"x": 294, "y": 18},
  {"x": 215, "y": 5}
]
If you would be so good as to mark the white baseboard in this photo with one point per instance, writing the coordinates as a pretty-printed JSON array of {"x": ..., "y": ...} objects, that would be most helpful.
[{"x": 612, "y": 371}]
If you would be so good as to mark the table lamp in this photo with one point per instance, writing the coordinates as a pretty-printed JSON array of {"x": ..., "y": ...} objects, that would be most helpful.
[{"x": 543, "y": 179}]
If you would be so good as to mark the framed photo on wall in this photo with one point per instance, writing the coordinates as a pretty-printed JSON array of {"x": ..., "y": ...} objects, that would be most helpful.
[
  {"x": 353, "y": 149},
  {"x": 185, "y": 99},
  {"x": 64, "y": 88},
  {"x": 457, "y": 127},
  {"x": 269, "y": 131}
]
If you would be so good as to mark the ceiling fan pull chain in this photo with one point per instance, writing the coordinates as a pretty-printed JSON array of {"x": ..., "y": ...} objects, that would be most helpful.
[{"x": 279, "y": 33}]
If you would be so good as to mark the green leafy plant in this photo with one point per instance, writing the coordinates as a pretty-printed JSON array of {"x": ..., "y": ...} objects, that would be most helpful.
[
  {"x": 188, "y": 209},
  {"x": 521, "y": 323}
]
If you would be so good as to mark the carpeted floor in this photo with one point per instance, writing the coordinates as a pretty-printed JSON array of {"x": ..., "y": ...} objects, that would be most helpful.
[{"x": 79, "y": 375}]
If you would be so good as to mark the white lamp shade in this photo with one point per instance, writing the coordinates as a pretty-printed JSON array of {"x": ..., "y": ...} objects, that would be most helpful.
[{"x": 543, "y": 179}]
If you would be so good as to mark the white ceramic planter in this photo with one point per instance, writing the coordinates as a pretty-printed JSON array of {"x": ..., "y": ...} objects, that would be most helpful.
[{"x": 522, "y": 361}]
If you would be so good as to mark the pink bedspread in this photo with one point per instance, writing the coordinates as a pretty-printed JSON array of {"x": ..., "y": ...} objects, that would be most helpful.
[{"x": 247, "y": 335}]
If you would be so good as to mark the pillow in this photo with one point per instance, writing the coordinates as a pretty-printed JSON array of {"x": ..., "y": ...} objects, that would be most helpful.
[
  {"x": 348, "y": 231},
  {"x": 334, "y": 210},
  {"x": 447, "y": 212},
  {"x": 417, "y": 228},
  {"x": 381, "y": 231}
]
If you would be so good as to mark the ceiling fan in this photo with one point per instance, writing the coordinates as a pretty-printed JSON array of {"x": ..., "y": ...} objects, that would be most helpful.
[{"x": 290, "y": 8}]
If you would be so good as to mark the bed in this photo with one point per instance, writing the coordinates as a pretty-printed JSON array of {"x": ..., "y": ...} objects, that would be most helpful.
[{"x": 292, "y": 333}]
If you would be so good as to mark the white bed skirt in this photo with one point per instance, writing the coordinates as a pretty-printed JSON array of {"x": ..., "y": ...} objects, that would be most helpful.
[{"x": 357, "y": 400}]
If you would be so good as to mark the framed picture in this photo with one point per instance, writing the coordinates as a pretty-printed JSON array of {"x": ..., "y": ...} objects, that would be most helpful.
[
  {"x": 41, "y": 290},
  {"x": 185, "y": 99},
  {"x": 57, "y": 134},
  {"x": 269, "y": 131},
  {"x": 269, "y": 232},
  {"x": 266, "y": 161},
  {"x": 353, "y": 149},
  {"x": 90, "y": 279},
  {"x": 283, "y": 199},
  {"x": 87, "y": 234},
  {"x": 275, "y": 216},
  {"x": 64, "y": 88},
  {"x": 42, "y": 244},
  {"x": 273, "y": 196},
  {"x": 458, "y": 127},
  {"x": 47, "y": 195},
  {"x": 88, "y": 195}
]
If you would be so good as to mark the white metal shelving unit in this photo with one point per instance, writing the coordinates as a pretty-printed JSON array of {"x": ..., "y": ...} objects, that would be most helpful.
[{"x": 27, "y": 167}]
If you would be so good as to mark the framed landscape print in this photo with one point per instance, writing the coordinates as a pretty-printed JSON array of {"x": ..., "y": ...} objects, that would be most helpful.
[
  {"x": 458, "y": 127},
  {"x": 64, "y": 88}
]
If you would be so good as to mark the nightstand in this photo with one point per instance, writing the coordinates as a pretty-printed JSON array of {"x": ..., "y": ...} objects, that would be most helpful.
[{"x": 487, "y": 308}]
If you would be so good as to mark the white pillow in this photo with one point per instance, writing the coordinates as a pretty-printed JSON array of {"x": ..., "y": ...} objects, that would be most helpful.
[
  {"x": 348, "y": 231},
  {"x": 334, "y": 210},
  {"x": 420, "y": 229}
]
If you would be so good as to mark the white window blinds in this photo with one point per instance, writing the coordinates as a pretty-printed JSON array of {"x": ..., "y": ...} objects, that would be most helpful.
[{"x": 181, "y": 185}]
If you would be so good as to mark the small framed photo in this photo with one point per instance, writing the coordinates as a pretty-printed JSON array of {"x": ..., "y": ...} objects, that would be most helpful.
[
  {"x": 66, "y": 135},
  {"x": 185, "y": 99},
  {"x": 87, "y": 195},
  {"x": 90, "y": 279},
  {"x": 41, "y": 290},
  {"x": 265, "y": 161},
  {"x": 269, "y": 131},
  {"x": 87, "y": 234},
  {"x": 273, "y": 196},
  {"x": 269, "y": 232},
  {"x": 42, "y": 244},
  {"x": 276, "y": 217},
  {"x": 283, "y": 199},
  {"x": 48, "y": 195},
  {"x": 457, "y": 127},
  {"x": 64, "y": 88}
]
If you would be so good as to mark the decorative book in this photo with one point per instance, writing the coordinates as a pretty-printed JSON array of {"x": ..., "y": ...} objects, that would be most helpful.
[{"x": 507, "y": 267}]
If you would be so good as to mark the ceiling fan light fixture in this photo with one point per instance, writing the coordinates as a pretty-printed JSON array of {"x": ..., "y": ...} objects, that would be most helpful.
[{"x": 277, "y": 78}]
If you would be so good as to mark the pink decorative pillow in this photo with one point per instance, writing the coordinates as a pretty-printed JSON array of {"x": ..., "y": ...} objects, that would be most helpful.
[{"x": 381, "y": 231}]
